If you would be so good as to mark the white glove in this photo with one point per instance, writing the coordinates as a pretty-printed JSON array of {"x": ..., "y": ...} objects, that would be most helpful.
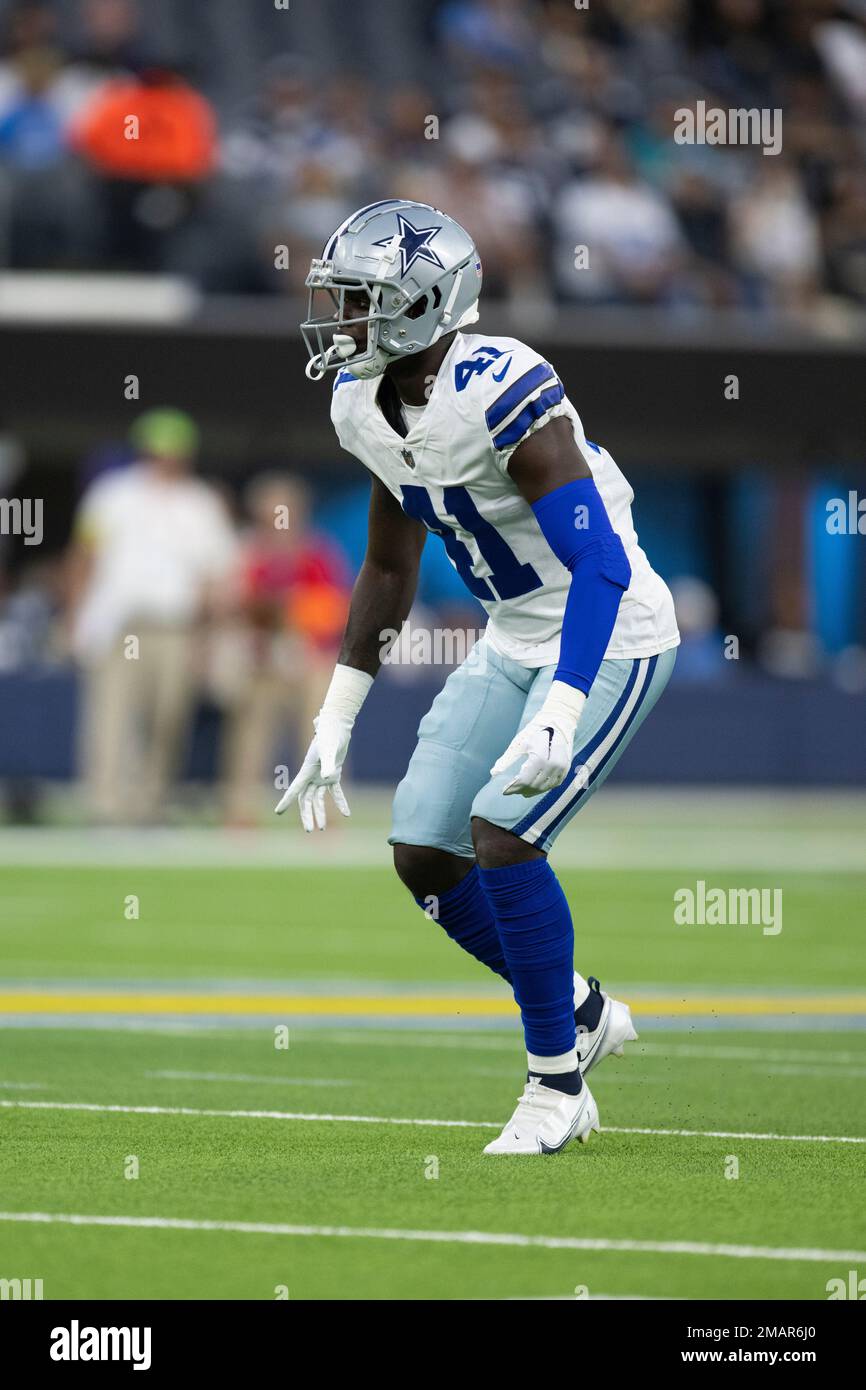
[
  {"x": 323, "y": 764},
  {"x": 320, "y": 771},
  {"x": 547, "y": 743}
]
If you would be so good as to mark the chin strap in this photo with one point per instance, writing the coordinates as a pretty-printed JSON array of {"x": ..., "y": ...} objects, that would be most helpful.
[
  {"x": 374, "y": 366},
  {"x": 342, "y": 346}
]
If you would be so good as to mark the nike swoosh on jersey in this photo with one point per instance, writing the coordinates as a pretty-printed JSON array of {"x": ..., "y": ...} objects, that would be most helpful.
[{"x": 497, "y": 376}]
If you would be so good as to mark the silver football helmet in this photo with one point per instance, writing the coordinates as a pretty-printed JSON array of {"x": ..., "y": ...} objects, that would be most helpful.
[{"x": 419, "y": 272}]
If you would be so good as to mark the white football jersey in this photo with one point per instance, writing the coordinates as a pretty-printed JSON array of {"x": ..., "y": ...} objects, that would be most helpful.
[{"x": 451, "y": 472}]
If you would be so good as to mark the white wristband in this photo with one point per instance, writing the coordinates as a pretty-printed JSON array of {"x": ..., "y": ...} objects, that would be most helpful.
[
  {"x": 347, "y": 692},
  {"x": 565, "y": 702}
]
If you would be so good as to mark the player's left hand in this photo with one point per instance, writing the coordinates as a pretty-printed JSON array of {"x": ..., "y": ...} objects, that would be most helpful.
[{"x": 545, "y": 745}]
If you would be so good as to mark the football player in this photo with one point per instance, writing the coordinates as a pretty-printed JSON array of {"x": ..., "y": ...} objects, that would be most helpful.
[{"x": 472, "y": 437}]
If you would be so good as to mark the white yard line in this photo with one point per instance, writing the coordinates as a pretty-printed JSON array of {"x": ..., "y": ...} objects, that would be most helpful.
[
  {"x": 399, "y": 1120},
  {"x": 263, "y": 1228},
  {"x": 716, "y": 1052},
  {"x": 187, "y": 1110},
  {"x": 737, "y": 1134}
]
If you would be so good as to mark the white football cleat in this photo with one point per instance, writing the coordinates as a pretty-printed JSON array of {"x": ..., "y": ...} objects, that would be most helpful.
[
  {"x": 613, "y": 1030},
  {"x": 546, "y": 1120}
]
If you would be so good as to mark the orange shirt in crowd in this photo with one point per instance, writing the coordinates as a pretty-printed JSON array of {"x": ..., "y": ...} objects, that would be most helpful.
[{"x": 173, "y": 137}]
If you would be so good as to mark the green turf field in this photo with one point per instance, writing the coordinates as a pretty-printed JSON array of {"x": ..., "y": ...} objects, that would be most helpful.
[
  {"x": 343, "y": 924},
  {"x": 349, "y": 1163}
]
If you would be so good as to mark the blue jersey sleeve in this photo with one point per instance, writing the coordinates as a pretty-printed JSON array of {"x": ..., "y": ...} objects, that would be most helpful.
[{"x": 577, "y": 528}]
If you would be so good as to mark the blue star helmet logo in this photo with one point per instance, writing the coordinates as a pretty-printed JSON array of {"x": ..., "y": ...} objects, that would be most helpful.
[{"x": 414, "y": 244}]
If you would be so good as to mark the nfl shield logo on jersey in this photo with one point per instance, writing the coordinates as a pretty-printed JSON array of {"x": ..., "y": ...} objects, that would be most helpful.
[{"x": 406, "y": 455}]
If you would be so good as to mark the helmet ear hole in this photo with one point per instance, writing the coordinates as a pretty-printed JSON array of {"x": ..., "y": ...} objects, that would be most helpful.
[{"x": 418, "y": 308}]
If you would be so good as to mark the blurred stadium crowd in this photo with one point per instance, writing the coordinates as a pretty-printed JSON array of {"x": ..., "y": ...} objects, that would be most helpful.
[{"x": 540, "y": 127}]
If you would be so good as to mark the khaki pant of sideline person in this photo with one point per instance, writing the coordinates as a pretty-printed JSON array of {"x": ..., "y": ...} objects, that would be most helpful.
[
  {"x": 260, "y": 712},
  {"x": 136, "y": 712}
]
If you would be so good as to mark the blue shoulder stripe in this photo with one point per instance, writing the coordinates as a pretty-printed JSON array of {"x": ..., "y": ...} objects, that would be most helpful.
[
  {"x": 516, "y": 393},
  {"x": 534, "y": 411}
]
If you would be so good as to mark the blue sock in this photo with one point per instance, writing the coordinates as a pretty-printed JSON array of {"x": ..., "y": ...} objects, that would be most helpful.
[
  {"x": 465, "y": 915},
  {"x": 534, "y": 926}
]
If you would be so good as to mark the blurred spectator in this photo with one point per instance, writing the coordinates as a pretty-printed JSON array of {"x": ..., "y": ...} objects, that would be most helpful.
[
  {"x": 632, "y": 238},
  {"x": 701, "y": 655},
  {"x": 152, "y": 548},
  {"x": 845, "y": 236},
  {"x": 31, "y": 125},
  {"x": 774, "y": 237},
  {"x": 150, "y": 128},
  {"x": 318, "y": 202},
  {"x": 406, "y": 135},
  {"x": 497, "y": 207},
  {"x": 292, "y": 598},
  {"x": 278, "y": 128},
  {"x": 109, "y": 36},
  {"x": 43, "y": 207},
  {"x": 842, "y": 47},
  {"x": 495, "y": 33},
  {"x": 150, "y": 140},
  {"x": 40, "y": 88},
  {"x": 28, "y": 607},
  {"x": 735, "y": 50}
]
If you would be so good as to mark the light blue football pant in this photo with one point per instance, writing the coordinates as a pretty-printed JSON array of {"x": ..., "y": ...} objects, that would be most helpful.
[{"x": 473, "y": 719}]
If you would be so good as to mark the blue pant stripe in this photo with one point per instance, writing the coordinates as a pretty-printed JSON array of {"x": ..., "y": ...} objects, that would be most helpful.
[
  {"x": 580, "y": 757},
  {"x": 611, "y": 753}
]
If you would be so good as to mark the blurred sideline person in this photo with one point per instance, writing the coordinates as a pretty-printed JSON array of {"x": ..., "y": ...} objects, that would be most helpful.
[
  {"x": 292, "y": 597},
  {"x": 152, "y": 548}
]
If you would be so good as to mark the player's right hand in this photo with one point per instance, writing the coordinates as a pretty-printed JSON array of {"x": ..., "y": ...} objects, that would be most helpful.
[{"x": 320, "y": 772}]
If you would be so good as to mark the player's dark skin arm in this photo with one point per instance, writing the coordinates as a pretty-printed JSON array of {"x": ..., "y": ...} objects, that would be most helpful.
[
  {"x": 545, "y": 461},
  {"x": 381, "y": 600},
  {"x": 386, "y": 585}
]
